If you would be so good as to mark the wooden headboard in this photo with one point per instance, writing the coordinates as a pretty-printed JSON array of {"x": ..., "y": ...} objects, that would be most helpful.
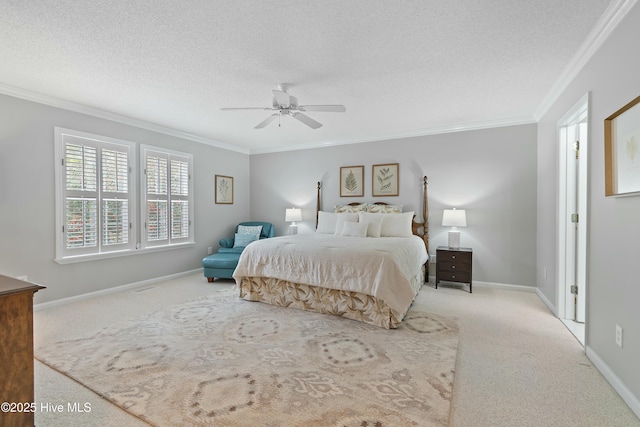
[{"x": 420, "y": 229}]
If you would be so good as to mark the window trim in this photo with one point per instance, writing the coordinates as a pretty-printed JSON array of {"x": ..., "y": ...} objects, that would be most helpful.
[
  {"x": 137, "y": 202},
  {"x": 145, "y": 242}
]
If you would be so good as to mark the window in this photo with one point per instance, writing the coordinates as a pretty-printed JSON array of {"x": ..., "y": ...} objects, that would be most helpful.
[
  {"x": 94, "y": 193},
  {"x": 97, "y": 201},
  {"x": 167, "y": 197}
]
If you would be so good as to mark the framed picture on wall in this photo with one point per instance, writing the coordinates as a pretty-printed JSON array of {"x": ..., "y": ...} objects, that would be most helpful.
[
  {"x": 352, "y": 181},
  {"x": 385, "y": 180},
  {"x": 224, "y": 189},
  {"x": 622, "y": 151}
]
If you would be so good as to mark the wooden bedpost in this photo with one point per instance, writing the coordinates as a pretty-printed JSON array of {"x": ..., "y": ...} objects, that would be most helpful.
[
  {"x": 318, "y": 202},
  {"x": 425, "y": 214},
  {"x": 415, "y": 226}
]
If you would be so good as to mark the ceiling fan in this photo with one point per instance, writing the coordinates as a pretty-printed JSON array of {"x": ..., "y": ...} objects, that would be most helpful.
[{"x": 285, "y": 104}]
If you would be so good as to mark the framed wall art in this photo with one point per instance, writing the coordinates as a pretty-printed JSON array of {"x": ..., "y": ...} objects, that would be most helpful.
[
  {"x": 352, "y": 181},
  {"x": 224, "y": 189},
  {"x": 622, "y": 151},
  {"x": 385, "y": 180}
]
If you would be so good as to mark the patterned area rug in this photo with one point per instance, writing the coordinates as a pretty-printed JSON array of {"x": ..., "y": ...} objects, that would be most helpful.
[{"x": 223, "y": 361}]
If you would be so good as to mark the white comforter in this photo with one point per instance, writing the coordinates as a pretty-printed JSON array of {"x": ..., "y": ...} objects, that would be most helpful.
[{"x": 383, "y": 267}]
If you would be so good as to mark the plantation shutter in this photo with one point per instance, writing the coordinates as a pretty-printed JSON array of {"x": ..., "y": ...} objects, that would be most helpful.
[
  {"x": 179, "y": 198},
  {"x": 96, "y": 196},
  {"x": 167, "y": 197},
  {"x": 157, "y": 197},
  {"x": 81, "y": 202},
  {"x": 115, "y": 205}
]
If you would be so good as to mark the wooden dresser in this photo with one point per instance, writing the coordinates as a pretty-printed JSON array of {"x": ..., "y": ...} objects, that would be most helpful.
[{"x": 16, "y": 352}]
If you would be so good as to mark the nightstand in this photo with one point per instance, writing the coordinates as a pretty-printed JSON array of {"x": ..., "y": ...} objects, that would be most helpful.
[{"x": 454, "y": 265}]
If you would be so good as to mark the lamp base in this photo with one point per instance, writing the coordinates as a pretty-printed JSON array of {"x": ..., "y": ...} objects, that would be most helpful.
[
  {"x": 454, "y": 239},
  {"x": 293, "y": 228}
]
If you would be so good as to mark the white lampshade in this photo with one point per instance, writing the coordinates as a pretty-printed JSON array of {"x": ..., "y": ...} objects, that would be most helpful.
[
  {"x": 454, "y": 218},
  {"x": 293, "y": 215}
]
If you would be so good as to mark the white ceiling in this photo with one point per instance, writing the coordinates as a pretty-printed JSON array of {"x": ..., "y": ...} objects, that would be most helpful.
[{"x": 401, "y": 67}]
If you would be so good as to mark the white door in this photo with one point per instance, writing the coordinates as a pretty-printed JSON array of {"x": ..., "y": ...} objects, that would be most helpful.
[
  {"x": 575, "y": 222},
  {"x": 572, "y": 218}
]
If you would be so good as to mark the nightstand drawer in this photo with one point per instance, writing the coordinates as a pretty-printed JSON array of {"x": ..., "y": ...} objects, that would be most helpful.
[
  {"x": 451, "y": 256},
  {"x": 452, "y": 276},
  {"x": 459, "y": 266}
]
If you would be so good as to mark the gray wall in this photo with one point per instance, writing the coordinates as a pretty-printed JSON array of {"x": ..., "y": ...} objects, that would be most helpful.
[
  {"x": 491, "y": 173},
  {"x": 27, "y": 239},
  {"x": 613, "y": 291}
]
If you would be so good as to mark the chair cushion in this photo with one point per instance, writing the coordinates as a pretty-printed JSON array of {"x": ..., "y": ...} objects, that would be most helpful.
[
  {"x": 231, "y": 250},
  {"x": 221, "y": 260}
]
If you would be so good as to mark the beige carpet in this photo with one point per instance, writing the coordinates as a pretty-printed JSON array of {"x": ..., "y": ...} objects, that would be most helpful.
[{"x": 222, "y": 361}]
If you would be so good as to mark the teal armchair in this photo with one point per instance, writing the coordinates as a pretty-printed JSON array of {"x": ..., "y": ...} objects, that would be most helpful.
[
  {"x": 223, "y": 263},
  {"x": 226, "y": 245}
]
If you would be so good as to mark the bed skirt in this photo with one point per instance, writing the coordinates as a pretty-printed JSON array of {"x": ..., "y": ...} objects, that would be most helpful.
[{"x": 352, "y": 305}]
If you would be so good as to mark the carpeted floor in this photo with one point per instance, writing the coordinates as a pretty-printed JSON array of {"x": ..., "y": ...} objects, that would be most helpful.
[
  {"x": 219, "y": 360},
  {"x": 517, "y": 365}
]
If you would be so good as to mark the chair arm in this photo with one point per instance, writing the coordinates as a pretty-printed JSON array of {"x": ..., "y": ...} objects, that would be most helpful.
[{"x": 227, "y": 243}]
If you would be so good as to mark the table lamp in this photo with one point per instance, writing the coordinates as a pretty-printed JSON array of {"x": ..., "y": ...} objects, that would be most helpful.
[
  {"x": 454, "y": 218},
  {"x": 292, "y": 215}
]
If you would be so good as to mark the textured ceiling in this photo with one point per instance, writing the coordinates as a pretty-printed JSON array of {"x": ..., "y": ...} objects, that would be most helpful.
[{"x": 400, "y": 67}]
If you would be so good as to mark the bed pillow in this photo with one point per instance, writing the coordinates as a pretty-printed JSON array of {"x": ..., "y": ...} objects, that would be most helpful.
[
  {"x": 250, "y": 229},
  {"x": 326, "y": 222},
  {"x": 396, "y": 225},
  {"x": 242, "y": 240},
  {"x": 373, "y": 208},
  {"x": 341, "y": 218},
  {"x": 348, "y": 208},
  {"x": 354, "y": 229},
  {"x": 373, "y": 221}
]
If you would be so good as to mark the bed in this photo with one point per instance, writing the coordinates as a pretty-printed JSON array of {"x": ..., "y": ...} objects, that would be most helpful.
[{"x": 342, "y": 269}]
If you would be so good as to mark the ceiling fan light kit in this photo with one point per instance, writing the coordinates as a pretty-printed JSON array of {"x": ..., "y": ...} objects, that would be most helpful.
[{"x": 285, "y": 104}]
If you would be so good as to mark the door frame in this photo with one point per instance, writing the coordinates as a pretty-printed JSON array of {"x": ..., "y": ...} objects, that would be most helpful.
[{"x": 577, "y": 114}]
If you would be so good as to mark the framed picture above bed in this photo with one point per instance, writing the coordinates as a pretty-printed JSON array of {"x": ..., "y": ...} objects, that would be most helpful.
[
  {"x": 352, "y": 181},
  {"x": 385, "y": 180},
  {"x": 224, "y": 189}
]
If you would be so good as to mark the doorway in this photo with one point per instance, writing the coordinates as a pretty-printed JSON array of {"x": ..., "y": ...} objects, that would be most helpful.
[{"x": 572, "y": 218}]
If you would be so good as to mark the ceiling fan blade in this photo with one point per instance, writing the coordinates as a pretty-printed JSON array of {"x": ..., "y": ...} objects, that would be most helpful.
[
  {"x": 306, "y": 120},
  {"x": 324, "y": 108},
  {"x": 266, "y": 121},
  {"x": 244, "y": 108},
  {"x": 281, "y": 98}
]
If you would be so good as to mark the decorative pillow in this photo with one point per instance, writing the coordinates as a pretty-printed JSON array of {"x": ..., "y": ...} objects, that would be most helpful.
[
  {"x": 327, "y": 222},
  {"x": 341, "y": 218},
  {"x": 354, "y": 229},
  {"x": 373, "y": 221},
  {"x": 250, "y": 229},
  {"x": 397, "y": 225},
  {"x": 348, "y": 208},
  {"x": 384, "y": 208},
  {"x": 242, "y": 240}
]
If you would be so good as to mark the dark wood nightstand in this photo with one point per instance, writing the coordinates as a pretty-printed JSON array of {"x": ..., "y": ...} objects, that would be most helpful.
[{"x": 454, "y": 265}]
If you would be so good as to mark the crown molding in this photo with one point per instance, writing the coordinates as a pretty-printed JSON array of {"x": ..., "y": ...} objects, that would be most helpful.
[
  {"x": 607, "y": 23},
  {"x": 52, "y": 101},
  {"x": 424, "y": 132}
]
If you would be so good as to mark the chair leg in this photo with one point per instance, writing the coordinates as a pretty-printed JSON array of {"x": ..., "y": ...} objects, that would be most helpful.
[{"x": 210, "y": 279}]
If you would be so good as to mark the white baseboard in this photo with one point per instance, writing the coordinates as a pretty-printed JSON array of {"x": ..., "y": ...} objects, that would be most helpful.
[
  {"x": 82, "y": 297},
  {"x": 506, "y": 286},
  {"x": 546, "y": 302},
  {"x": 626, "y": 394}
]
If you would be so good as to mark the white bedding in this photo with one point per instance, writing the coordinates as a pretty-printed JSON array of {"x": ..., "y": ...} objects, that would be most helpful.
[{"x": 384, "y": 267}]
